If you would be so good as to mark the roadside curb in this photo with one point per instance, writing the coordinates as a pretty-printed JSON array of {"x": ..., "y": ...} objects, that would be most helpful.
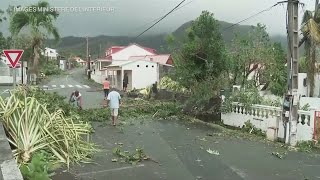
[{"x": 8, "y": 165}]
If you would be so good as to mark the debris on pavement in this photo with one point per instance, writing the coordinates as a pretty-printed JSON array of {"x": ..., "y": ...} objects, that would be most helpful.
[
  {"x": 114, "y": 160},
  {"x": 279, "y": 155},
  {"x": 203, "y": 139},
  {"x": 215, "y": 152}
]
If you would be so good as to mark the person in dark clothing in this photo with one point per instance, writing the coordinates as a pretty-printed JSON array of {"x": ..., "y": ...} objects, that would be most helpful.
[
  {"x": 125, "y": 82},
  {"x": 155, "y": 88}
]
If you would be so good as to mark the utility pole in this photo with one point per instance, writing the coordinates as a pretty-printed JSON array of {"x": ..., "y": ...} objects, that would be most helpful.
[
  {"x": 14, "y": 69},
  {"x": 88, "y": 60},
  {"x": 293, "y": 41},
  {"x": 99, "y": 51}
]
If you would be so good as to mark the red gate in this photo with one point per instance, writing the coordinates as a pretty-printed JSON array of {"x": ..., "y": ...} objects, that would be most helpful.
[{"x": 316, "y": 131}]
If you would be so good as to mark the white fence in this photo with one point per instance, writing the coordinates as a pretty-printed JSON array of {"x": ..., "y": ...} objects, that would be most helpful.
[
  {"x": 269, "y": 117},
  {"x": 6, "y": 75}
]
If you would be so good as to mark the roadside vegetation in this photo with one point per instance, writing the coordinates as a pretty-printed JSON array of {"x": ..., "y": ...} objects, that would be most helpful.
[{"x": 35, "y": 126}]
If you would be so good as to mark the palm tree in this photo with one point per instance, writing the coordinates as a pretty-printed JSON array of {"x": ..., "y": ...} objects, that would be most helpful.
[
  {"x": 311, "y": 36},
  {"x": 39, "y": 24}
]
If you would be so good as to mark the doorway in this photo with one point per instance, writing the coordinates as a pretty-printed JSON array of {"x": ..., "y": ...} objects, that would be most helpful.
[{"x": 129, "y": 73}]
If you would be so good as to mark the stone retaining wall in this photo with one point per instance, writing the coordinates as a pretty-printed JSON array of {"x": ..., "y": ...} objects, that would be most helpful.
[{"x": 8, "y": 167}]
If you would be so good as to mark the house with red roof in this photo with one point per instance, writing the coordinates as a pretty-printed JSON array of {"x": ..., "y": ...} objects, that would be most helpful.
[
  {"x": 127, "y": 54},
  {"x": 159, "y": 58}
]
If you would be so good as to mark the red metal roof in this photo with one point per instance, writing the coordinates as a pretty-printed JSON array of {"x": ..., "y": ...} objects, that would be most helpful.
[
  {"x": 160, "y": 58},
  {"x": 115, "y": 49}
]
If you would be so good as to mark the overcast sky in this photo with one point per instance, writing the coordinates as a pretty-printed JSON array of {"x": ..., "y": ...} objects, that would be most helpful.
[{"x": 130, "y": 17}]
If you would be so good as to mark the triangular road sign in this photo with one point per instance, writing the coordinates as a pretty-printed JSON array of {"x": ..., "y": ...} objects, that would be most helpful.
[{"x": 13, "y": 56}]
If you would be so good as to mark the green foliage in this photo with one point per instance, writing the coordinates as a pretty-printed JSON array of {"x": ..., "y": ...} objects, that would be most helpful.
[
  {"x": 306, "y": 146},
  {"x": 38, "y": 168},
  {"x": 255, "y": 52},
  {"x": 49, "y": 67},
  {"x": 306, "y": 107},
  {"x": 133, "y": 158},
  {"x": 246, "y": 96},
  {"x": 250, "y": 128},
  {"x": 169, "y": 84},
  {"x": 202, "y": 56},
  {"x": 302, "y": 65},
  {"x": 275, "y": 72},
  {"x": 132, "y": 109},
  {"x": 53, "y": 101}
]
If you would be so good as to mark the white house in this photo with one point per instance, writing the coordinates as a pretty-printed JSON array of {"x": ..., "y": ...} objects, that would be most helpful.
[
  {"x": 80, "y": 61},
  {"x": 50, "y": 53},
  {"x": 140, "y": 73}
]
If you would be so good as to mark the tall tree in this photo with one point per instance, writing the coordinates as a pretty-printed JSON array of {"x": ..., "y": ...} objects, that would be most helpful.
[
  {"x": 248, "y": 53},
  {"x": 2, "y": 17},
  {"x": 39, "y": 23},
  {"x": 311, "y": 36},
  {"x": 202, "y": 56},
  {"x": 201, "y": 60}
]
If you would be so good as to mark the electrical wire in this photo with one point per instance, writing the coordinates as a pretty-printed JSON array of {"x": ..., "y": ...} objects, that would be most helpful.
[
  {"x": 142, "y": 26},
  {"x": 254, "y": 15},
  {"x": 161, "y": 19}
]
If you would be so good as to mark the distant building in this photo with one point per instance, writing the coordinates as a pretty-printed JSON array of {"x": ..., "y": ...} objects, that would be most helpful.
[
  {"x": 80, "y": 61},
  {"x": 51, "y": 54}
]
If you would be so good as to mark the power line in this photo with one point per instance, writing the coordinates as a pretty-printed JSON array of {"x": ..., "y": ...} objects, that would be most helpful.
[
  {"x": 161, "y": 18},
  {"x": 265, "y": 10}
]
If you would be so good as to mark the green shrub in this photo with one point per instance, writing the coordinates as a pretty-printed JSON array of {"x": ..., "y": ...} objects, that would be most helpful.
[
  {"x": 50, "y": 68},
  {"x": 37, "y": 169}
]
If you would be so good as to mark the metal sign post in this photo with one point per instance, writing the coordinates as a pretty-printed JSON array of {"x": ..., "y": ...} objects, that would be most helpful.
[
  {"x": 14, "y": 77},
  {"x": 13, "y": 56}
]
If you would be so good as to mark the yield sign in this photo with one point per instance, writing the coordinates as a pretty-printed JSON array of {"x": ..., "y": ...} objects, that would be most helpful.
[{"x": 13, "y": 56}]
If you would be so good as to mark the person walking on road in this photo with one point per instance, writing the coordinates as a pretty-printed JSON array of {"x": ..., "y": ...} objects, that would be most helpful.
[
  {"x": 114, "y": 102},
  {"x": 106, "y": 87}
]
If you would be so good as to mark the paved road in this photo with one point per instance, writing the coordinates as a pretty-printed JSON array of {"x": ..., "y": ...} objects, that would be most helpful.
[{"x": 180, "y": 148}]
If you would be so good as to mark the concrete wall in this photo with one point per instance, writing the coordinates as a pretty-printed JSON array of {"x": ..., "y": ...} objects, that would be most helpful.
[
  {"x": 130, "y": 51},
  {"x": 266, "y": 117},
  {"x": 144, "y": 75},
  {"x": 8, "y": 167},
  {"x": 99, "y": 76},
  {"x": 6, "y": 75}
]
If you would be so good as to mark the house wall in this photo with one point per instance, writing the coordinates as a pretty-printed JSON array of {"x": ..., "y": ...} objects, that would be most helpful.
[
  {"x": 63, "y": 65},
  {"x": 130, "y": 51},
  {"x": 142, "y": 76},
  {"x": 304, "y": 90},
  {"x": 99, "y": 76}
]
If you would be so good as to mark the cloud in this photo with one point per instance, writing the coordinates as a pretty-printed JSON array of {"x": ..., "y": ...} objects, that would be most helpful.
[{"x": 130, "y": 17}]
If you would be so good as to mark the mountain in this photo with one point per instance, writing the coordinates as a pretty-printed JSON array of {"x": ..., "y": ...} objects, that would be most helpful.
[{"x": 97, "y": 45}]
